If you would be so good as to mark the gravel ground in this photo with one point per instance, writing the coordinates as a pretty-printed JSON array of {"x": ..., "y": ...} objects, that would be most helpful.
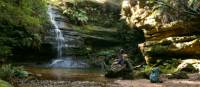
[
  {"x": 193, "y": 81},
  {"x": 167, "y": 83},
  {"x": 116, "y": 83},
  {"x": 52, "y": 83}
]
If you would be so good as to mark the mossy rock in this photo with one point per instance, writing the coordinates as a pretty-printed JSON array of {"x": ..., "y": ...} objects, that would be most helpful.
[
  {"x": 5, "y": 84},
  {"x": 179, "y": 75}
]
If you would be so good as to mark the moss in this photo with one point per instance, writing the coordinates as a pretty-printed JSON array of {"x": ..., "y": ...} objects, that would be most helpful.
[
  {"x": 106, "y": 52},
  {"x": 166, "y": 66},
  {"x": 147, "y": 69},
  {"x": 168, "y": 69},
  {"x": 98, "y": 36}
]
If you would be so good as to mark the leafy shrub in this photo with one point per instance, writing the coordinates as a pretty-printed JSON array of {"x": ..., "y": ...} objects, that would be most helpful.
[
  {"x": 21, "y": 24},
  {"x": 7, "y": 72},
  {"x": 167, "y": 66},
  {"x": 147, "y": 69},
  {"x": 172, "y": 10},
  {"x": 78, "y": 16},
  {"x": 5, "y": 51},
  {"x": 86, "y": 11},
  {"x": 4, "y": 84}
]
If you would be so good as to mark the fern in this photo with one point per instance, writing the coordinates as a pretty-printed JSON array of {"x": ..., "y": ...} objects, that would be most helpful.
[
  {"x": 7, "y": 72},
  {"x": 175, "y": 10},
  {"x": 76, "y": 15}
]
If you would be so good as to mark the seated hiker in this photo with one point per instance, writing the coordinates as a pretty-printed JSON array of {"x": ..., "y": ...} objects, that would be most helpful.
[
  {"x": 120, "y": 62},
  {"x": 121, "y": 57},
  {"x": 121, "y": 67}
]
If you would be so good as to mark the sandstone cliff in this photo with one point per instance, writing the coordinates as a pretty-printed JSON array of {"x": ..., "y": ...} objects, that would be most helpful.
[{"x": 171, "y": 27}]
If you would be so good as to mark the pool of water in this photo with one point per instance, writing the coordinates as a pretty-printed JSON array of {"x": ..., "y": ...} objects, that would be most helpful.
[{"x": 73, "y": 74}]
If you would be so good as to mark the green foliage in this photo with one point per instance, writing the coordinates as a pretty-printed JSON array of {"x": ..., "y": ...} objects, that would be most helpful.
[
  {"x": 168, "y": 69},
  {"x": 147, "y": 69},
  {"x": 78, "y": 16},
  {"x": 7, "y": 72},
  {"x": 20, "y": 72},
  {"x": 167, "y": 66},
  {"x": 106, "y": 53},
  {"x": 4, "y": 84},
  {"x": 171, "y": 10},
  {"x": 21, "y": 24},
  {"x": 89, "y": 12},
  {"x": 5, "y": 51}
]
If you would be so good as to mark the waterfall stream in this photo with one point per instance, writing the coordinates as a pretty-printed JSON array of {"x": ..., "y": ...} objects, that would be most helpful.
[
  {"x": 62, "y": 42},
  {"x": 59, "y": 36}
]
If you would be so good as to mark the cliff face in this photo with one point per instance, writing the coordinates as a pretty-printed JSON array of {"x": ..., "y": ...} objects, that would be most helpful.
[{"x": 171, "y": 27}]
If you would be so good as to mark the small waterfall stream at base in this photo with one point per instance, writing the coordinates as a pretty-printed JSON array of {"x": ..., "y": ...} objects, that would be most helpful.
[{"x": 61, "y": 61}]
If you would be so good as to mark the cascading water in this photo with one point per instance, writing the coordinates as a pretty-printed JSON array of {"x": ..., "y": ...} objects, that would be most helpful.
[
  {"x": 59, "y": 36},
  {"x": 61, "y": 44}
]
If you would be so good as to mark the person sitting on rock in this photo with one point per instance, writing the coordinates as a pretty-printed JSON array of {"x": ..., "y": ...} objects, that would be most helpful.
[
  {"x": 121, "y": 67},
  {"x": 119, "y": 63},
  {"x": 121, "y": 57}
]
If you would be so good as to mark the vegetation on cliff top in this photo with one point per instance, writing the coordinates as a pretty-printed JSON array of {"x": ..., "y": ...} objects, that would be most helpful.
[
  {"x": 21, "y": 24},
  {"x": 156, "y": 13}
]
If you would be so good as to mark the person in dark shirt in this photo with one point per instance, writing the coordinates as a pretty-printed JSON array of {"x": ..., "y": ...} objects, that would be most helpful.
[
  {"x": 121, "y": 56},
  {"x": 123, "y": 60},
  {"x": 121, "y": 67}
]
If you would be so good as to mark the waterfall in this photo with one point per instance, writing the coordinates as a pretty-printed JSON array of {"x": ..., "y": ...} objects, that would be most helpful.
[
  {"x": 62, "y": 42},
  {"x": 59, "y": 36}
]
